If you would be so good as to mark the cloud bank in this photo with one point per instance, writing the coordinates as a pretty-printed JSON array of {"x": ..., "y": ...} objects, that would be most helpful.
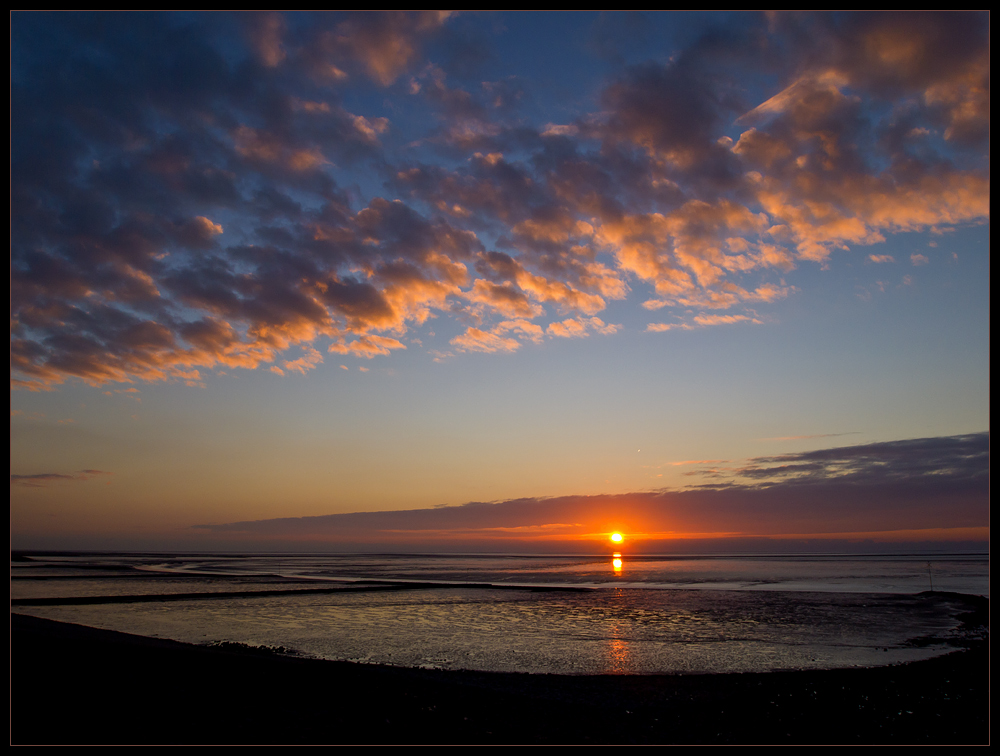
[{"x": 924, "y": 491}]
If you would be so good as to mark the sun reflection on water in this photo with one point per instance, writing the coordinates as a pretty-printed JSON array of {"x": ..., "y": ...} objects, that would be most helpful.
[{"x": 617, "y": 649}]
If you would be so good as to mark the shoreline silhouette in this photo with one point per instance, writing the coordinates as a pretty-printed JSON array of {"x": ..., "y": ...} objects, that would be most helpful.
[{"x": 72, "y": 684}]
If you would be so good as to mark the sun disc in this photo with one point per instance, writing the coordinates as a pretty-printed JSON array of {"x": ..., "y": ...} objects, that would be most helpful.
[{"x": 617, "y": 537}]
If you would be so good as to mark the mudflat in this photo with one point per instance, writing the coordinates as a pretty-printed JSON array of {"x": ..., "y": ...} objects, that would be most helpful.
[{"x": 74, "y": 684}]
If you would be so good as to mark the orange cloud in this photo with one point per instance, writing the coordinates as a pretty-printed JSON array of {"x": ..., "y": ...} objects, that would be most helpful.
[
  {"x": 564, "y": 295},
  {"x": 367, "y": 346},
  {"x": 527, "y": 329},
  {"x": 476, "y": 340},
  {"x": 578, "y": 327},
  {"x": 661, "y": 327},
  {"x": 386, "y": 44},
  {"x": 307, "y": 362},
  {"x": 503, "y": 298},
  {"x": 707, "y": 320}
]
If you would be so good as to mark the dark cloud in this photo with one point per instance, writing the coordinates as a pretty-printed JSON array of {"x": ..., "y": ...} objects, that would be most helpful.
[
  {"x": 665, "y": 110},
  {"x": 40, "y": 480},
  {"x": 953, "y": 460},
  {"x": 924, "y": 489}
]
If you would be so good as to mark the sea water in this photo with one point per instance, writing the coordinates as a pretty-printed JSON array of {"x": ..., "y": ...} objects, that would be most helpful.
[{"x": 605, "y": 614}]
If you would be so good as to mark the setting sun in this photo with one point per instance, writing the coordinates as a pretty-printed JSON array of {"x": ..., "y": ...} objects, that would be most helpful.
[{"x": 617, "y": 537}]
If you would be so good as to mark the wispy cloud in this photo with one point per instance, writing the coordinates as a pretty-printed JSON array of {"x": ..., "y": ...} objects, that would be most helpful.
[
  {"x": 927, "y": 460},
  {"x": 810, "y": 436},
  {"x": 39, "y": 480}
]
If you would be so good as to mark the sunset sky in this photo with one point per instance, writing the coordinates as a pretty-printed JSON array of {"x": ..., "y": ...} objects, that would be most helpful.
[{"x": 500, "y": 281}]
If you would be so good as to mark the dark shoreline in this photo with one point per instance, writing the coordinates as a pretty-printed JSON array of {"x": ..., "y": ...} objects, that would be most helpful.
[{"x": 73, "y": 684}]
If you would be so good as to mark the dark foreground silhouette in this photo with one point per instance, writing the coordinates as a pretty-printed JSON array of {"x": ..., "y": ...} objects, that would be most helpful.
[{"x": 71, "y": 684}]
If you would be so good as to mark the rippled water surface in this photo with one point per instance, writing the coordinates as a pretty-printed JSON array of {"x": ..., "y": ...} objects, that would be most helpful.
[{"x": 534, "y": 614}]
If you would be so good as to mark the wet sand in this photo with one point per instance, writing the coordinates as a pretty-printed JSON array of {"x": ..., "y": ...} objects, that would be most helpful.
[{"x": 76, "y": 685}]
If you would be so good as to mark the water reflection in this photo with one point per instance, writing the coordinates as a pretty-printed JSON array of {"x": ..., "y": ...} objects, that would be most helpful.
[
  {"x": 616, "y": 564},
  {"x": 618, "y": 657},
  {"x": 615, "y": 629},
  {"x": 617, "y": 649}
]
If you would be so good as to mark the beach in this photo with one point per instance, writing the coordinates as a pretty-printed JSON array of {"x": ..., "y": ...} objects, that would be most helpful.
[
  {"x": 367, "y": 649},
  {"x": 77, "y": 685}
]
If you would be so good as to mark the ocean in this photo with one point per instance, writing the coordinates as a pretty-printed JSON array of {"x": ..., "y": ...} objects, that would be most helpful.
[{"x": 600, "y": 614}]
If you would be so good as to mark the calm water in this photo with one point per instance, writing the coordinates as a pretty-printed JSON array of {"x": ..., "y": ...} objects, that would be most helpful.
[{"x": 569, "y": 615}]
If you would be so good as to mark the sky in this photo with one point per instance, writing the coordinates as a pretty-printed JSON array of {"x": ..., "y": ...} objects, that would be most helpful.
[{"x": 500, "y": 281}]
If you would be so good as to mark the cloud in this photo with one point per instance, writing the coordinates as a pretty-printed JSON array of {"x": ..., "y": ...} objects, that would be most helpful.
[
  {"x": 925, "y": 461},
  {"x": 477, "y": 340},
  {"x": 805, "y": 437},
  {"x": 306, "y": 362},
  {"x": 385, "y": 44},
  {"x": 701, "y": 321},
  {"x": 814, "y": 179},
  {"x": 40, "y": 480},
  {"x": 707, "y": 320},
  {"x": 191, "y": 196},
  {"x": 555, "y": 129},
  {"x": 661, "y": 327},
  {"x": 527, "y": 329},
  {"x": 580, "y": 327},
  {"x": 505, "y": 298},
  {"x": 902, "y": 491},
  {"x": 261, "y": 147},
  {"x": 266, "y": 32},
  {"x": 368, "y": 346}
]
